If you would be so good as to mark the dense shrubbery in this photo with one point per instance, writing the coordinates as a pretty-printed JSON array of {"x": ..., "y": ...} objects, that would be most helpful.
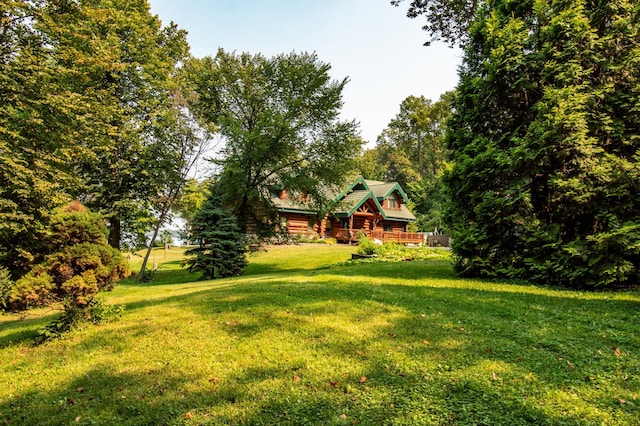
[
  {"x": 79, "y": 266},
  {"x": 100, "y": 263},
  {"x": 32, "y": 290},
  {"x": 545, "y": 178}
]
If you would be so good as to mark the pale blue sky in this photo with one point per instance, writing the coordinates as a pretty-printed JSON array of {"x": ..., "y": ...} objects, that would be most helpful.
[{"x": 369, "y": 41}]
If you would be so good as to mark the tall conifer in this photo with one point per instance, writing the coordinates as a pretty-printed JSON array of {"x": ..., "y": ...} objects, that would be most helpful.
[
  {"x": 545, "y": 139},
  {"x": 221, "y": 246}
]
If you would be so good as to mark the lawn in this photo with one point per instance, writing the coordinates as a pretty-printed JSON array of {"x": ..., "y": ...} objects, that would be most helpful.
[{"x": 299, "y": 341}]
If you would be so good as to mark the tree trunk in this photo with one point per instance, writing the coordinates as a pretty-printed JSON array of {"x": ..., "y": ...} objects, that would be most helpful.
[
  {"x": 115, "y": 232},
  {"x": 151, "y": 243}
]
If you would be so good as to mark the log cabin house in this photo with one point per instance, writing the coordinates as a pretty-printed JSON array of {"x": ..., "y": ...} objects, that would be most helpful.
[{"x": 379, "y": 209}]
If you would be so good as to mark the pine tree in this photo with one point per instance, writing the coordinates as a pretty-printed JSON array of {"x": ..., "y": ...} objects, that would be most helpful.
[{"x": 221, "y": 250}]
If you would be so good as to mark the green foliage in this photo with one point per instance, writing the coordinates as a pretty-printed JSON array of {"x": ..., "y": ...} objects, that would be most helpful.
[
  {"x": 97, "y": 263},
  {"x": 446, "y": 20},
  {"x": 87, "y": 112},
  {"x": 411, "y": 151},
  {"x": 6, "y": 285},
  {"x": 395, "y": 252},
  {"x": 74, "y": 224},
  {"x": 82, "y": 265},
  {"x": 141, "y": 157},
  {"x": 93, "y": 311},
  {"x": 33, "y": 289},
  {"x": 193, "y": 195},
  {"x": 41, "y": 125},
  {"x": 366, "y": 246},
  {"x": 545, "y": 180},
  {"x": 279, "y": 117},
  {"x": 221, "y": 250}
]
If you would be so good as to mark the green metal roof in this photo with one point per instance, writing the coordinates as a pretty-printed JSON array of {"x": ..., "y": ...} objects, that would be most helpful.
[{"x": 351, "y": 199}]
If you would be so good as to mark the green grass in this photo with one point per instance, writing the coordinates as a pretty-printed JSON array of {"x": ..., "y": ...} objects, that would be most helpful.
[{"x": 295, "y": 341}]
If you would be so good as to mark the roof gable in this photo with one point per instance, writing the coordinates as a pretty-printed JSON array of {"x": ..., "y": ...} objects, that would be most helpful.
[
  {"x": 383, "y": 189},
  {"x": 352, "y": 201}
]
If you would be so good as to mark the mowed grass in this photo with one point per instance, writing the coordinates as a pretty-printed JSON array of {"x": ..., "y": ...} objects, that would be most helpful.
[{"x": 295, "y": 341}]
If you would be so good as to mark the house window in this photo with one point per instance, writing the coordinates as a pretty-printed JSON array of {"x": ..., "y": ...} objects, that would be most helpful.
[
  {"x": 311, "y": 224},
  {"x": 345, "y": 224},
  {"x": 388, "y": 227},
  {"x": 392, "y": 203}
]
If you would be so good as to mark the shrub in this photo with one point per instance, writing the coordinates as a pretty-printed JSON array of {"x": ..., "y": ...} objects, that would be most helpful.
[
  {"x": 32, "y": 290},
  {"x": 80, "y": 289},
  {"x": 366, "y": 246},
  {"x": 6, "y": 285},
  {"x": 106, "y": 264},
  {"x": 74, "y": 224},
  {"x": 392, "y": 251},
  {"x": 95, "y": 311}
]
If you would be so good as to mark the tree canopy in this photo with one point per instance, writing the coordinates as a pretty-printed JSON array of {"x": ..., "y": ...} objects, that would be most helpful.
[
  {"x": 89, "y": 112},
  {"x": 279, "y": 121},
  {"x": 545, "y": 142},
  {"x": 446, "y": 20}
]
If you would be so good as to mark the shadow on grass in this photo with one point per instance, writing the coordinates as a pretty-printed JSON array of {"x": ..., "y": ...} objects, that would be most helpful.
[
  {"x": 161, "y": 395},
  {"x": 168, "y": 273},
  {"x": 491, "y": 356},
  {"x": 23, "y": 328}
]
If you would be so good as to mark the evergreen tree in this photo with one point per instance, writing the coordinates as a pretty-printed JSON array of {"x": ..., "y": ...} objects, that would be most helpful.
[
  {"x": 545, "y": 140},
  {"x": 221, "y": 250}
]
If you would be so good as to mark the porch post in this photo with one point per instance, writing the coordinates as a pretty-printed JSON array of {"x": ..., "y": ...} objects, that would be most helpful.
[{"x": 350, "y": 229}]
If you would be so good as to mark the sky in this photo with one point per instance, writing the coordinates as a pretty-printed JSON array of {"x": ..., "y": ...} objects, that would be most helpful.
[{"x": 370, "y": 42}]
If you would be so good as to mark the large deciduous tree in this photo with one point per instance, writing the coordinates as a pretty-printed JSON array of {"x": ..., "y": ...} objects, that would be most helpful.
[
  {"x": 446, "y": 20},
  {"x": 545, "y": 141},
  {"x": 43, "y": 122},
  {"x": 279, "y": 121},
  {"x": 87, "y": 112},
  {"x": 134, "y": 162}
]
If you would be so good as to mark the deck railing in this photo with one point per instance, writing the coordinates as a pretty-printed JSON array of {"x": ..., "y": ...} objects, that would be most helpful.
[
  {"x": 344, "y": 235},
  {"x": 399, "y": 236}
]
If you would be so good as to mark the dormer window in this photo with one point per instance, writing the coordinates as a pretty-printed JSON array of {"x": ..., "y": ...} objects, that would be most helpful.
[{"x": 392, "y": 203}]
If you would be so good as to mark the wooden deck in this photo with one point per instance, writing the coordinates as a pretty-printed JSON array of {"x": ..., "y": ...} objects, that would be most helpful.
[{"x": 343, "y": 235}]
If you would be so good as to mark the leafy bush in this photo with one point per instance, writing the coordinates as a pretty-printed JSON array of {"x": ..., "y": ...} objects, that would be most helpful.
[
  {"x": 81, "y": 265},
  {"x": 32, "y": 290},
  {"x": 366, "y": 246},
  {"x": 393, "y": 252},
  {"x": 74, "y": 224},
  {"x": 105, "y": 263},
  {"x": 330, "y": 241},
  {"x": 6, "y": 285}
]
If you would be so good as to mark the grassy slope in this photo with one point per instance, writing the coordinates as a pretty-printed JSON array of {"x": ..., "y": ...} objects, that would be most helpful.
[{"x": 293, "y": 342}]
